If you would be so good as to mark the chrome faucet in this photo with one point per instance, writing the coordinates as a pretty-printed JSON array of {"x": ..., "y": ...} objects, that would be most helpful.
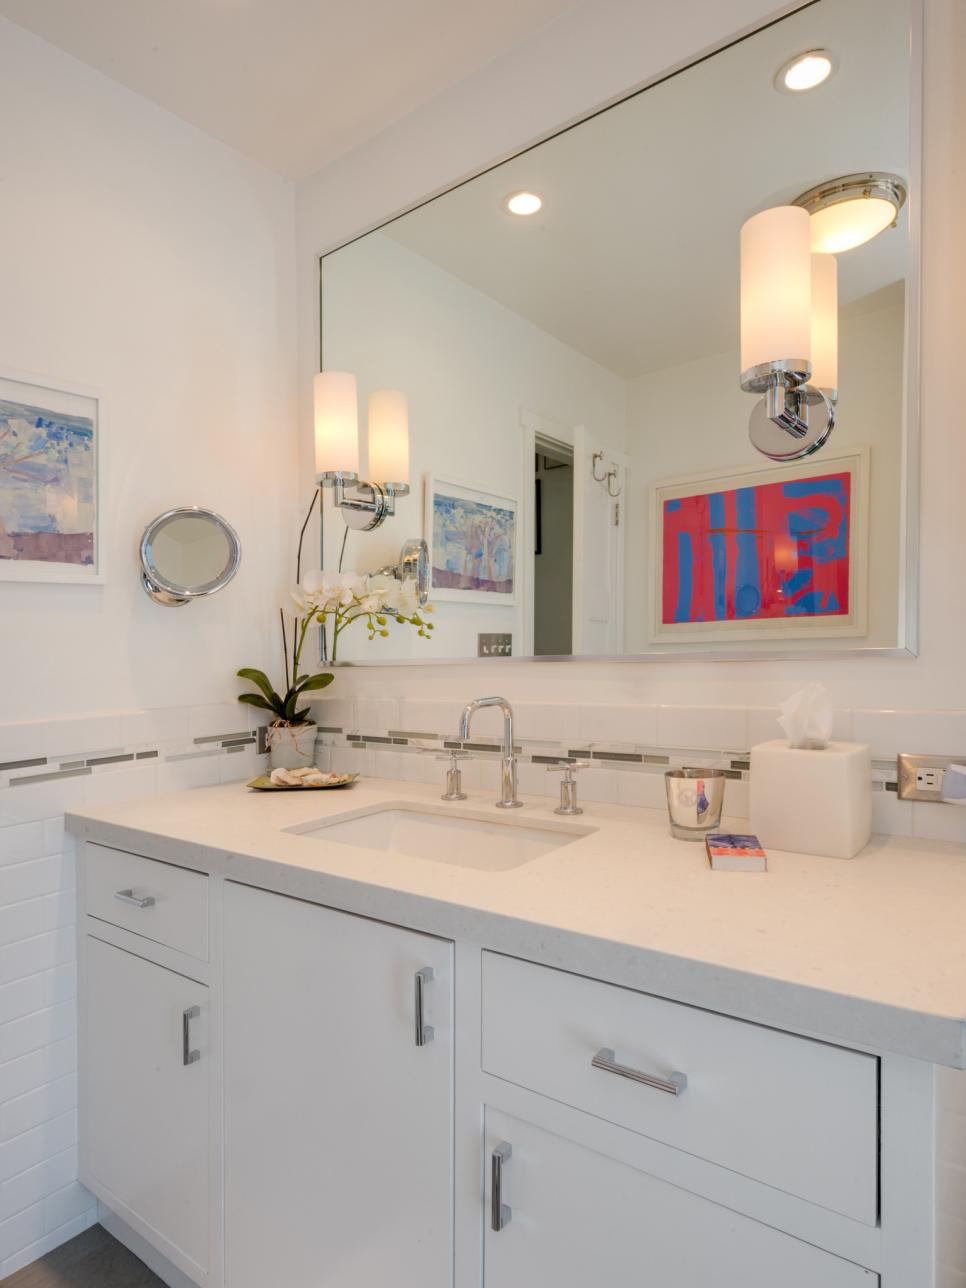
[{"x": 508, "y": 761}]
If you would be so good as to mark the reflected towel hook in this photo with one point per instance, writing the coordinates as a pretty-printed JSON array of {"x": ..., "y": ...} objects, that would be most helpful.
[{"x": 607, "y": 477}]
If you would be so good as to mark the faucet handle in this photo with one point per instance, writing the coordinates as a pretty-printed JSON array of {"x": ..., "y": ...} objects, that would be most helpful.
[
  {"x": 568, "y": 784},
  {"x": 454, "y": 775}
]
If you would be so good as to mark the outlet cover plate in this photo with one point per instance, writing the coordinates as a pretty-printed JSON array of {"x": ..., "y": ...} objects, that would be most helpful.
[{"x": 914, "y": 769}]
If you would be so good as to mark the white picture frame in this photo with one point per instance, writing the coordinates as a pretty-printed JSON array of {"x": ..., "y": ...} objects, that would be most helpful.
[
  {"x": 438, "y": 488},
  {"x": 77, "y": 405},
  {"x": 853, "y": 624}
]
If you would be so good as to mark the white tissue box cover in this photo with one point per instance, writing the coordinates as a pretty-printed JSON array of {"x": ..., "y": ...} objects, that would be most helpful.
[{"x": 813, "y": 802}]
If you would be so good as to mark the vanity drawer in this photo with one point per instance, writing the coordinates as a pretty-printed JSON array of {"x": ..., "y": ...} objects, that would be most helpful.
[
  {"x": 796, "y": 1114},
  {"x": 166, "y": 904}
]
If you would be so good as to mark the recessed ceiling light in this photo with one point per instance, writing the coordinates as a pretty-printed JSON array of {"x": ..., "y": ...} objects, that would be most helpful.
[
  {"x": 850, "y": 211},
  {"x": 523, "y": 203},
  {"x": 805, "y": 71}
]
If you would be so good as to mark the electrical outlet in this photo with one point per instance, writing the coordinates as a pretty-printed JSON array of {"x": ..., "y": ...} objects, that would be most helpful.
[{"x": 921, "y": 777}]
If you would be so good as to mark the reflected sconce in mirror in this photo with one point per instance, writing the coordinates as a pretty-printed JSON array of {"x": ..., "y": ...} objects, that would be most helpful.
[
  {"x": 789, "y": 334},
  {"x": 364, "y": 504},
  {"x": 413, "y": 565}
]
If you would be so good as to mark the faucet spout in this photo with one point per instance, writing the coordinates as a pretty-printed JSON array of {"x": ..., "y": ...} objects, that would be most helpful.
[{"x": 508, "y": 777}]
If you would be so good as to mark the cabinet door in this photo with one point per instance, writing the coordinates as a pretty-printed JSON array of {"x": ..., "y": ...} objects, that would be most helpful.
[
  {"x": 145, "y": 1100},
  {"x": 338, "y": 1126},
  {"x": 574, "y": 1217}
]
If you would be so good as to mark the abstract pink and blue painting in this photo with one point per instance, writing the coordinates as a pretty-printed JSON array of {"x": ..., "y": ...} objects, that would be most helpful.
[{"x": 48, "y": 485}]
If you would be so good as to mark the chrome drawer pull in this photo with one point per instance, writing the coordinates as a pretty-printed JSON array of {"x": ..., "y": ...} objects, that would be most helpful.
[
  {"x": 424, "y": 1032},
  {"x": 187, "y": 1055},
  {"x": 673, "y": 1084},
  {"x": 136, "y": 901},
  {"x": 500, "y": 1214}
]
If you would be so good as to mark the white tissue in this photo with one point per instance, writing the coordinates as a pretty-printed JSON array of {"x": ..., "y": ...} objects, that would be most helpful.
[{"x": 806, "y": 718}]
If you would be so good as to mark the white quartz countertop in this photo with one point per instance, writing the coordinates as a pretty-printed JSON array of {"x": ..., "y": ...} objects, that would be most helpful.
[{"x": 870, "y": 951}]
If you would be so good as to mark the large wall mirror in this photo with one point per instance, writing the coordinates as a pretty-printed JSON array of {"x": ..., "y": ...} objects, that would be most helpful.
[{"x": 582, "y": 456}]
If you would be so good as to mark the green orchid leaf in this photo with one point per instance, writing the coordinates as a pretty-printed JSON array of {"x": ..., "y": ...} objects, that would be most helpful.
[
  {"x": 311, "y": 683},
  {"x": 261, "y": 680},
  {"x": 256, "y": 700}
]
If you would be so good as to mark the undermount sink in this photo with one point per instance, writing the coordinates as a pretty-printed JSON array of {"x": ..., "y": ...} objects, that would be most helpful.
[{"x": 463, "y": 840}]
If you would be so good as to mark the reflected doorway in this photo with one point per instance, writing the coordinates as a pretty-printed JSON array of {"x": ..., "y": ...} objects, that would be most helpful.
[{"x": 553, "y": 509}]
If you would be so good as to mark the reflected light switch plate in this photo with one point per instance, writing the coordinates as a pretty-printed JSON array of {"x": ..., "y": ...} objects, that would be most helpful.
[{"x": 493, "y": 645}]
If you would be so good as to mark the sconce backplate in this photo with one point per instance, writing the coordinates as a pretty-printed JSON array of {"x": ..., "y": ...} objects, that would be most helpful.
[{"x": 775, "y": 442}]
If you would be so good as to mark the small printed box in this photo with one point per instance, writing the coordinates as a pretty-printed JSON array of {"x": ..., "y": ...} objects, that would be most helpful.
[{"x": 730, "y": 852}]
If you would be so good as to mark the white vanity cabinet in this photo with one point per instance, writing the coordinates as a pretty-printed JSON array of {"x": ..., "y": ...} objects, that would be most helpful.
[
  {"x": 338, "y": 1098},
  {"x": 564, "y": 1215},
  {"x": 145, "y": 1052},
  {"x": 146, "y": 1101}
]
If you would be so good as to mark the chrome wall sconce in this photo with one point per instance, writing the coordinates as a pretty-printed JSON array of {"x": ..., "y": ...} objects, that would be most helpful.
[
  {"x": 789, "y": 334},
  {"x": 364, "y": 504},
  {"x": 789, "y": 305}
]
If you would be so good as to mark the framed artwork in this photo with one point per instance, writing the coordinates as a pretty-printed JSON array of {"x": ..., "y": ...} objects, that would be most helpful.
[
  {"x": 472, "y": 539},
  {"x": 747, "y": 552},
  {"x": 50, "y": 448}
]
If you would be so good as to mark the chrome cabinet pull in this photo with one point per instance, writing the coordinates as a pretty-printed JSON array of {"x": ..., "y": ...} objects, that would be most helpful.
[
  {"x": 136, "y": 901},
  {"x": 500, "y": 1214},
  {"x": 673, "y": 1084},
  {"x": 187, "y": 1055},
  {"x": 424, "y": 1032}
]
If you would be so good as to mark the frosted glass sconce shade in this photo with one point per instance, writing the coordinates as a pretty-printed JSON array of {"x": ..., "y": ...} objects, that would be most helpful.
[
  {"x": 389, "y": 436},
  {"x": 825, "y": 324},
  {"x": 776, "y": 291},
  {"x": 336, "y": 424}
]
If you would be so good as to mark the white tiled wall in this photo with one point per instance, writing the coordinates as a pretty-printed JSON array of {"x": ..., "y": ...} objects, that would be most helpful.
[{"x": 41, "y": 1202}]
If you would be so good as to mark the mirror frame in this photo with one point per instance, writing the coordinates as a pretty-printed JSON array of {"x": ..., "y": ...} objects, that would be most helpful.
[
  {"x": 907, "y": 645},
  {"x": 170, "y": 594}
]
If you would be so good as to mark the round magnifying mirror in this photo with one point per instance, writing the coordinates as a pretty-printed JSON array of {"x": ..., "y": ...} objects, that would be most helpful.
[{"x": 187, "y": 553}]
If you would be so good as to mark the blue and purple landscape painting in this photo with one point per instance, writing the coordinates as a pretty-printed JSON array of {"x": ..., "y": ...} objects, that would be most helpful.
[
  {"x": 48, "y": 485},
  {"x": 473, "y": 545}
]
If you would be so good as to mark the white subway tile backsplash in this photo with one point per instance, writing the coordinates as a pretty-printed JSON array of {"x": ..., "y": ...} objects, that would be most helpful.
[
  {"x": 38, "y": 1107},
  {"x": 931, "y": 822},
  {"x": 180, "y": 775},
  {"x": 645, "y": 790},
  {"x": 34, "y": 1146},
  {"x": 66, "y": 1205},
  {"x": 702, "y": 727},
  {"x": 22, "y": 881},
  {"x": 39, "y": 953},
  {"x": 942, "y": 733},
  {"x": 21, "y": 997},
  {"x": 21, "y": 921},
  {"x": 40, "y": 1029},
  {"x": 37, "y": 801},
  {"x": 24, "y": 1228},
  {"x": 221, "y": 717},
  {"x": 624, "y": 724},
  {"x": 82, "y": 735},
  {"x": 36, "y": 1183},
  {"x": 22, "y": 842},
  {"x": 115, "y": 783},
  {"x": 28, "y": 1072},
  {"x": 53, "y": 834},
  {"x": 890, "y": 815},
  {"x": 376, "y": 715},
  {"x": 166, "y": 724}
]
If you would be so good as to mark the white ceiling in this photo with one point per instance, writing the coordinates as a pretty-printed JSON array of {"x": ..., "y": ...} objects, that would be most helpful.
[
  {"x": 634, "y": 260},
  {"x": 290, "y": 83}
]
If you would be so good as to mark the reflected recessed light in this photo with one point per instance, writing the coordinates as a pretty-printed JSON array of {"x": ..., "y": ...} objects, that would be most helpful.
[
  {"x": 850, "y": 211},
  {"x": 805, "y": 71},
  {"x": 523, "y": 203}
]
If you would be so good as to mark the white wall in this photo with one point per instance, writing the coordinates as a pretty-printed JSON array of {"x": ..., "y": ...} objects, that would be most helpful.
[
  {"x": 593, "y": 54},
  {"x": 140, "y": 257},
  {"x": 146, "y": 260},
  {"x": 469, "y": 366},
  {"x": 693, "y": 419}
]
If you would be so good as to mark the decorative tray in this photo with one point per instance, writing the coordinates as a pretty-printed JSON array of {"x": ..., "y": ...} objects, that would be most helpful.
[{"x": 265, "y": 784}]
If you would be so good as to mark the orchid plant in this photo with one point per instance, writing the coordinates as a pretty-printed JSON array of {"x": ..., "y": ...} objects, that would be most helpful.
[{"x": 347, "y": 597}]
